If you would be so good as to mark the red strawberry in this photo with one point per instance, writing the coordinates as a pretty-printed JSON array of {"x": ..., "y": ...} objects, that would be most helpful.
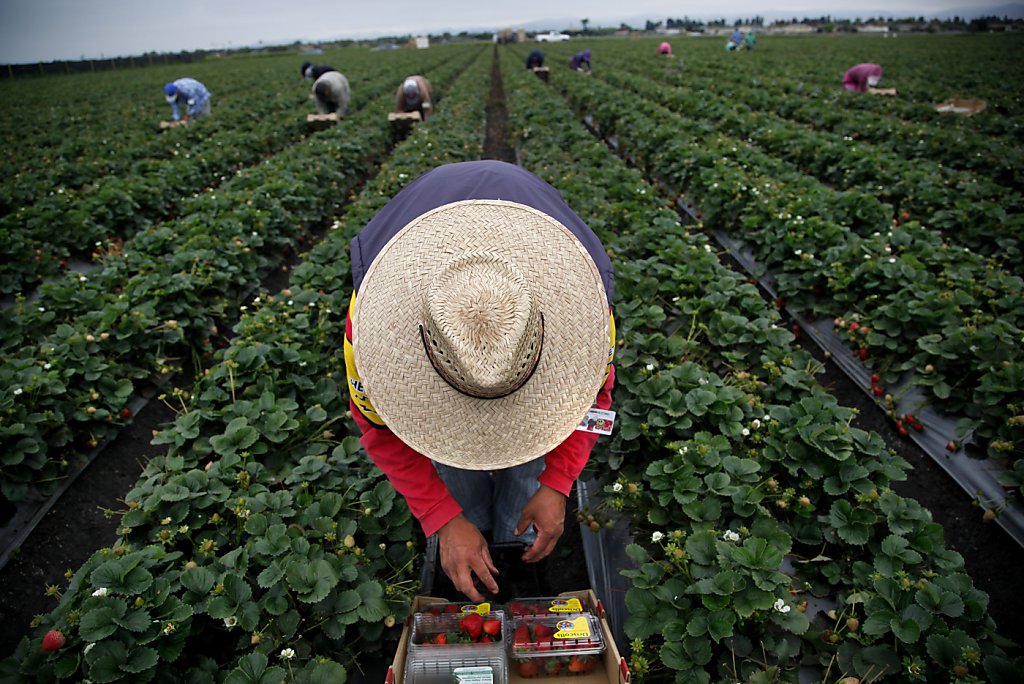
[
  {"x": 542, "y": 632},
  {"x": 854, "y": 325},
  {"x": 553, "y": 666},
  {"x": 863, "y": 354},
  {"x": 485, "y": 639},
  {"x": 492, "y": 627},
  {"x": 877, "y": 391},
  {"x": 581, "y": 663},
  {"x": 473, "y": 625},
  {"x": 875, "y": 378},
  {"x": 451, "y": 608},
  {"x": 53, "y": 640},
  {"x": 521, "y": 635},
  {"x": 126, "y": 413},
  {"x": 951, "y": 446},
  {"x": 440, "y": 639},
  {"x": 527, "y": 667}
]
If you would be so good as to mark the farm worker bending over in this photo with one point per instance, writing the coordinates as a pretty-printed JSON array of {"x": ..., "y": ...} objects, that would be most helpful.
[
  {"x": 414, "y": 96},
  {"x": 479, "y": 337},
  {"x": 862, "y": 77},
  {"x": 749, "y": 40},
  {"x": 665, "y": 49},
  {"x": 580, "y": 61},
  {"x": 535, "y": 59},
  {"x": 311, "y": 71},
  {"x": 735, "y": 40},
  {"x": 331, "y": 93},
  {"x": 192, "y": 94}
]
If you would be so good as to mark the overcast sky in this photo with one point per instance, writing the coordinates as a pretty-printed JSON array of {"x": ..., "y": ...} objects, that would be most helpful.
[{"x": 45, "y": 30}]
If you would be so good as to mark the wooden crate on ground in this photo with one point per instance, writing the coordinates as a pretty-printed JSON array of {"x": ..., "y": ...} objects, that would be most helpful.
[
  {"x": 402, "y": 122},
  {"x": 319, "y": 122}
]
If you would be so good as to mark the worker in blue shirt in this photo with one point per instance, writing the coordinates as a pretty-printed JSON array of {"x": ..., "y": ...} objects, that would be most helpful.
[
  {"x": 192, "y": 94},
  {"x": 535, "y": 59}
]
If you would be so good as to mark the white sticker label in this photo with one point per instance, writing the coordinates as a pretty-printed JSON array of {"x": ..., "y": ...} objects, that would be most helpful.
[{"x": 597, "y": 420}]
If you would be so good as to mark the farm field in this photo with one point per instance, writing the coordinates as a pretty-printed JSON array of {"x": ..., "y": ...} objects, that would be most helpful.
[{"x": 774, "y": 538}]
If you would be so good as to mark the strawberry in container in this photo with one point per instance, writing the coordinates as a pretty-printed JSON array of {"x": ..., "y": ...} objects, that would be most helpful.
[
  {"x": 554, "y": 645},
  {"x": 452, "y": 629}
]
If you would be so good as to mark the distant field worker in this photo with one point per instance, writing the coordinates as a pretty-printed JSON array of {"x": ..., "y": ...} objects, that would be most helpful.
[
  {"x": 331, "y": 93},
  {"x": 535, "y": 59},
  {"x": 414, "y": 96},
  {"x": 749, "y": 40},
  {"x": 192, "y": 94},
  {"x": 580, "y": 61},
  {"x": 862, "y": 77},
  {"x": 311, "y": 71},
  {"x": 665, "y": 49}
]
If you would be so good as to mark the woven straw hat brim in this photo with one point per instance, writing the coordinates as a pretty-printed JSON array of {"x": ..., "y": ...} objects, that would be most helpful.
[{"x": 409, "y": 395}]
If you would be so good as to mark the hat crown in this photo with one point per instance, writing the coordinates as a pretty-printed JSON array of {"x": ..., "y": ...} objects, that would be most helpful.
[{"x": 482, "y": 326}]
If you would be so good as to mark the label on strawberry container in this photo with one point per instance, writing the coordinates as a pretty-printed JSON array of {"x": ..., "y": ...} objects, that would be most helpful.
[
  {"x": 572, "y": 605},
  {"x": 573, "y": 629},
  {"x": 480, "y": 609},
  {"x": 598, "y": 421}
]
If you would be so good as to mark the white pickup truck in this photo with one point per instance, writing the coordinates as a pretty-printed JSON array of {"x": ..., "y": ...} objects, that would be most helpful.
[{"x": 551, "y": 37}]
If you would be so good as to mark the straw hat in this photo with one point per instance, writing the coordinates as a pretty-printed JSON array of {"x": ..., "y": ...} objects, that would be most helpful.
[{"x": 481, "y": 333}]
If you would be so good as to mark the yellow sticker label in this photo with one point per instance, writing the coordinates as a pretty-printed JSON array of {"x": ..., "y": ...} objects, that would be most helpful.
[
  {"x": 482, "y": 609},
  {"x": 572, "y": 605},
  {"x": 573, "y": 629}
]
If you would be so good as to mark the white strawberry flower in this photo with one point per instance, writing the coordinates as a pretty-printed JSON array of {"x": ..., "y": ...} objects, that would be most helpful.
[
  {"x": 287, "y": 653},
  {"x": 650, "y": 367},
  {"x": 780, "y": 605},
  {"x": 731, "y": 536},
  {"x": 230, "y": 621},
  {"x": 745, "y": 432},
  {"x": 756, "y": 424},
  {"x": 17, "y": 391},
  {"x": 617, "y": 487},
  {"x": 102, "y": 591},
  {"x": 657, "y": 537}
]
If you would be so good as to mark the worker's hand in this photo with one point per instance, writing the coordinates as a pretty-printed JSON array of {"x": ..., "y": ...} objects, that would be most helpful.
[
  {"x": 464, "y": 554},
  {"x": 546, "y": 512}
]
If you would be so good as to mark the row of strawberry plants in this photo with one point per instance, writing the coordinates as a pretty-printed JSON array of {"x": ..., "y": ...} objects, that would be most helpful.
[
  {"x": 71, "y": 143},
  {"x": 892, "y": 282},
  {"x": 39, "y": 238},
  {"x": 62, "y": 393},
  {"x": 63, "y": 299},
  {"x": 770, "y": 82},
  {"x": 970, "y": 210},
  {"x": 749, "y": 494},
  {"x": 264, "y": 546}
]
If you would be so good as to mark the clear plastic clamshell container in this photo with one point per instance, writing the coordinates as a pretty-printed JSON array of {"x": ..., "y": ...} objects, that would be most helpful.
[
  {"x": 545, "y": 605},
  {"x": 444, "y": 641},
  {"x": 556, "y": 645}
]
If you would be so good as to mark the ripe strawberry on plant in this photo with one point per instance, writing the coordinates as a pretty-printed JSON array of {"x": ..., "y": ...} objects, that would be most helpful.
[
  {"x": 472, "y": 624},
  {"x": 53, "y": 640}
]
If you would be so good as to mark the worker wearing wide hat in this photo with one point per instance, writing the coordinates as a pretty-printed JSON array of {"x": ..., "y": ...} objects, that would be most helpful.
[
  {"x": 479, "y": 339},
  {"x": 414, "y": 96},
  {"x": 189, "y": 93}
]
